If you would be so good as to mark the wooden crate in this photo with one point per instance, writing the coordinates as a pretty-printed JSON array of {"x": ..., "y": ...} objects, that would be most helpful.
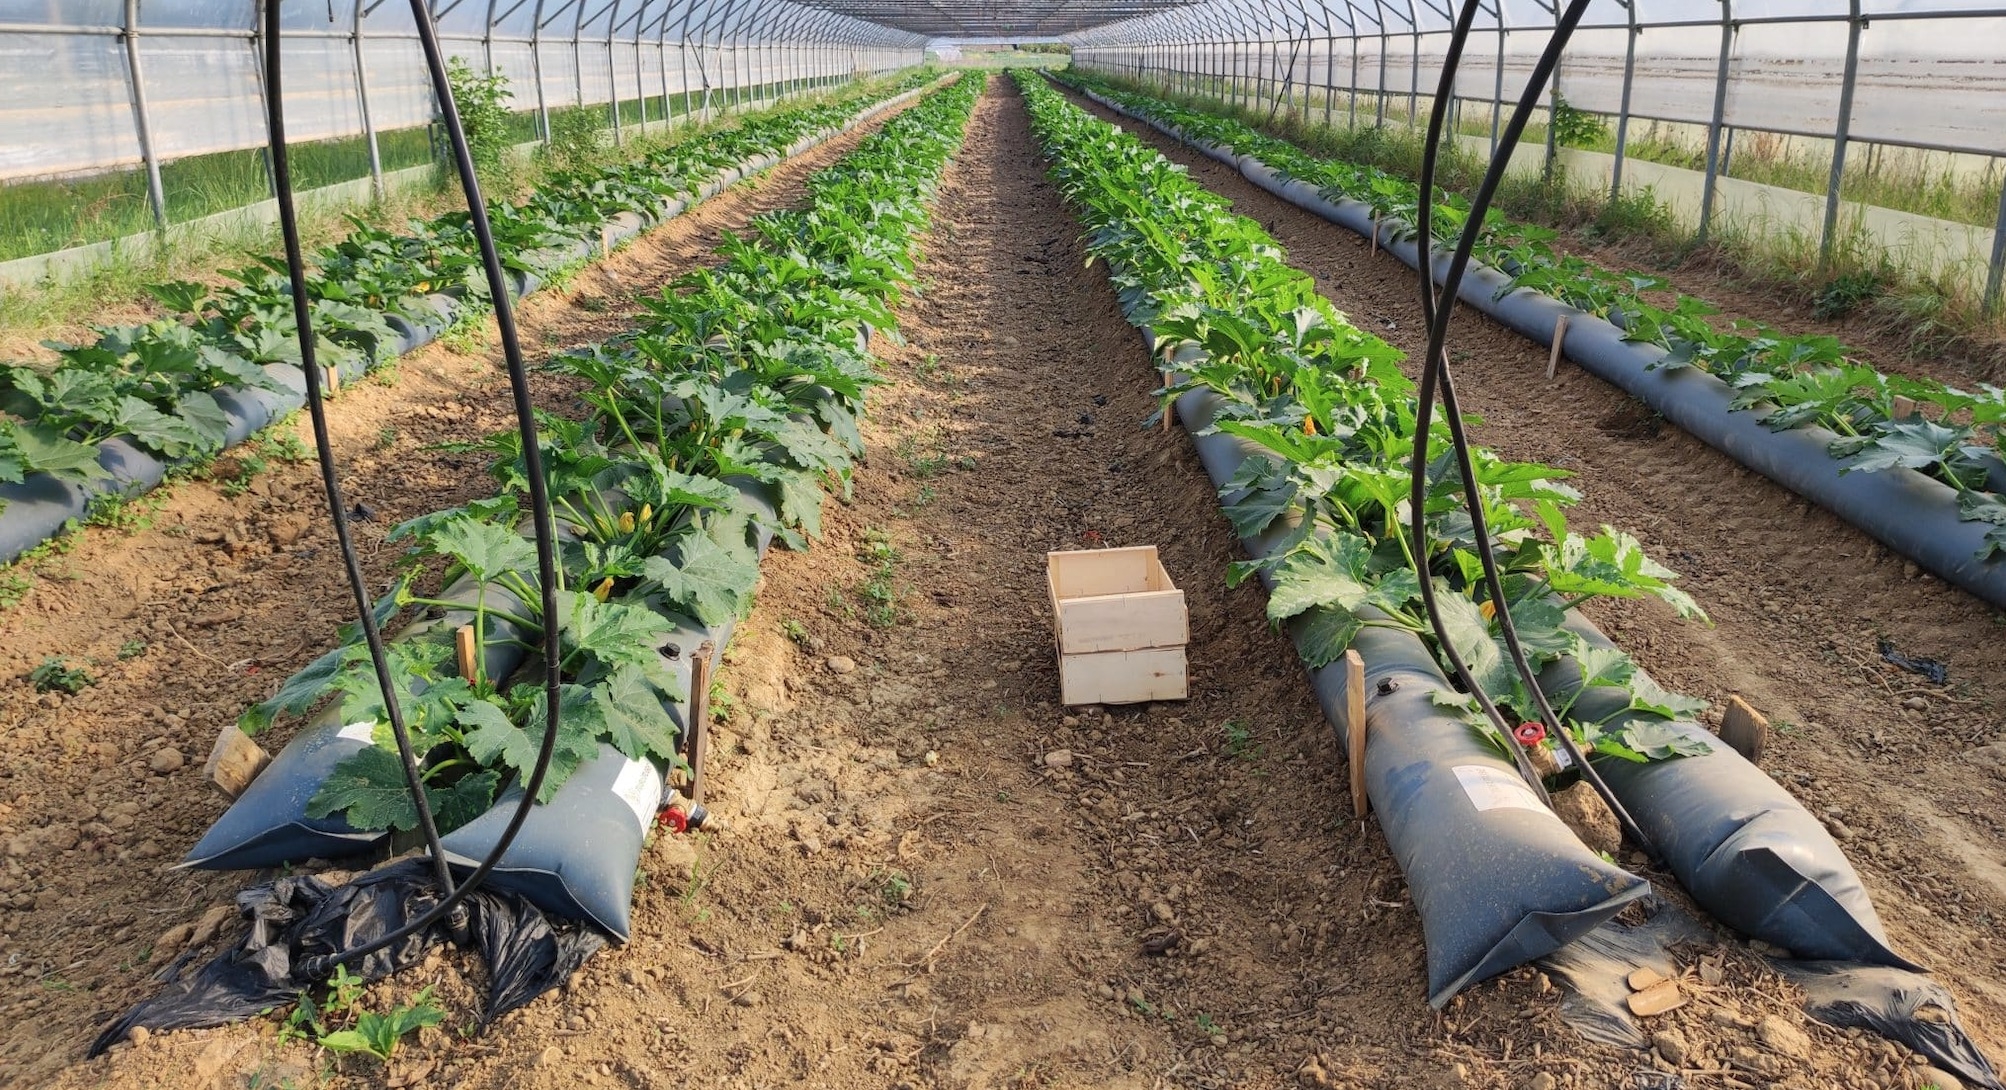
[{"x": 1119, "y": 624}]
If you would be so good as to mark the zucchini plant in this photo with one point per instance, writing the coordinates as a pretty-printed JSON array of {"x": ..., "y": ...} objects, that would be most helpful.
[
  {"x": 150, "y": 383},
  {"x": 749, "y": 372},
  {"x": 1956, "y": 436},
  {"x": 1333, "y": 417}
]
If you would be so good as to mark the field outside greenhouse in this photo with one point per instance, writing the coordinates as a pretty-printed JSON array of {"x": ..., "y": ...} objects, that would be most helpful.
[{"x": 911, "y": 545}]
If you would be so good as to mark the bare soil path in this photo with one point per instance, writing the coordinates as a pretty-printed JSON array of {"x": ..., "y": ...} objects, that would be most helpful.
[{"x": 925, "y": 873}]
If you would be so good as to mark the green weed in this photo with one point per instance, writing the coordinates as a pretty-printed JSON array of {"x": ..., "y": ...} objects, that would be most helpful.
[
  {"x": 1240, "y": 740},
  {"x": 1849, "y": 291},
  {"x": 879, "y": 590},
  {"x": 56, "y": 675},
  {"x": 282, "y": 444}
]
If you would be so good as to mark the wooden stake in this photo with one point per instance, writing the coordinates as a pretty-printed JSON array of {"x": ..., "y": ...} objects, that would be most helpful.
[
  {"x": 698, "y": 725},
  {"x": 1375, "y": 236},
  {"x": 1354, "y": 729},
  {"x": 333, "y": 383},
  {"x": 1559, "y": 335},
  {"x": 464, "y": 650},
  {"x": 1744, "y": 729},
  {"x": 1170, "y": 408},
  {"x": 234, "y": 761},
  {"x": 1904, "y": 407}
]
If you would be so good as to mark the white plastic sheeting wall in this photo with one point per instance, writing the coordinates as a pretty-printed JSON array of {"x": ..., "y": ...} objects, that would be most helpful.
[
  {"x": 1928, "y": 73},
  {"x": 72, "y": 103}
]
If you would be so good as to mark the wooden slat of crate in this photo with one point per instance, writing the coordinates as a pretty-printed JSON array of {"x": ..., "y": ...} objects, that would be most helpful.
[
  {"x": 1123, "y": 622},
  {"x": 1082, "y": 572},
  {"x": 1123, "y": 677}
]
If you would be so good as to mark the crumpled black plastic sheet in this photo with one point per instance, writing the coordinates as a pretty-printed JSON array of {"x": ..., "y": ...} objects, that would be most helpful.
[
  {"x": 1898, "y": 1004},
  {"x": 1936, "y": 670},
  {"x": 295, "y": 919}
]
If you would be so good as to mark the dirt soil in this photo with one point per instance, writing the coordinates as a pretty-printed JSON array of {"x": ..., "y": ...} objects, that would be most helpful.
[
  {"x": 208, "y": 596},
  {"x": 926, "y": 873}
]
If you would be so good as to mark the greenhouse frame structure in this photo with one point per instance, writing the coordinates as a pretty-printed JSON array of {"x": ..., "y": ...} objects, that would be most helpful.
[
  {"x": 99, "y": 85},
  {"x": 142, "y": 84},
  {"x": 1922, "y": 74}
]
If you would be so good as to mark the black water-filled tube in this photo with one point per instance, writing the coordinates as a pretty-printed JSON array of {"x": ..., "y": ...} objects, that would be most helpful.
[
  {"x": 268, "y": 826},
  {"x": 1497, "y": 879},
  {"x": 1745, "y": 848}
]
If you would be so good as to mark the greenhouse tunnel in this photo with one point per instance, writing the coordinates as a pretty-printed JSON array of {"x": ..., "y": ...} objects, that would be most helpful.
[{"x": 1161, "y": 287}]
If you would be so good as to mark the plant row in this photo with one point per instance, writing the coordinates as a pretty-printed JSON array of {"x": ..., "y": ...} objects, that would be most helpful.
[
  {"x": 1880, "y": 421},
  {"x": 1333, "y": 416},
  {"x": 745, "y": 377},
  {"x": 151, "y": 383}
]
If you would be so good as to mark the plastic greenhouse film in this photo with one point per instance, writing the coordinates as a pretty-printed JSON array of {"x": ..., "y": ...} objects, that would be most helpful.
[
  {"x": 1748, "y": 851},
  {"x": 268, "y": 826},
  {"x": 294, "y": 919},
  {"x": 1498, "y": 880}
]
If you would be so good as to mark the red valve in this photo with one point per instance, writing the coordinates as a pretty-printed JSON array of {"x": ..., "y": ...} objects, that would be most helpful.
[
  {"x": 674, "y": 820},
  {"x": 1530, "y": 734}
]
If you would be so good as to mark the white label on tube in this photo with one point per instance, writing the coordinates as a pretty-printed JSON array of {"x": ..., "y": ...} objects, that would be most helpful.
[
  {"x": 640, "y": 787},
  {"x": 1496, "y": 789},
  {"x": 359, "y": 732}
]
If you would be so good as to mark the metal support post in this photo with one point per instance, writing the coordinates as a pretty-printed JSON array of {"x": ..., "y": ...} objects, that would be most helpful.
[
  {"x": 1842, "y": 131},
  {"x": 1623, "y": 111},
  {"x": 142, "y": 119},
  {"x": 1713, "y": 131},
  {"x": 376, "y": 184}
]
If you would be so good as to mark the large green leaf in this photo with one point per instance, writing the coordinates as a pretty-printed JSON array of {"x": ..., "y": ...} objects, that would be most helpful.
[
  {"x": 704, "y": 579},
  {"x": 612, "y": 634},
  {"x": 466, "y": 799},
  {"x": 1985, "y": 507},
  {"x": 1325, "y": 634},
  {"x": 367, "y": 789},
  {"x": 42, "y": 450},
  {"x": 1470, "y": 635},
  {"x": 1907, "y": 444},
  {"x": 801, "y": 501},
  {"x": 637, "y": 723},
  {"x": 486, "y": 550},
  {"x": 1323, "y": 572}
]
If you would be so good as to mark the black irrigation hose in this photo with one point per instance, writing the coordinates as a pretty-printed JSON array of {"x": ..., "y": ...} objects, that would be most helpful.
[
  {"x": 546, "y": 552},
  {"x": 372, "y": 634},
  {"x": 1435, "y": 365},
  {"x": 1424, "y": 408}
]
